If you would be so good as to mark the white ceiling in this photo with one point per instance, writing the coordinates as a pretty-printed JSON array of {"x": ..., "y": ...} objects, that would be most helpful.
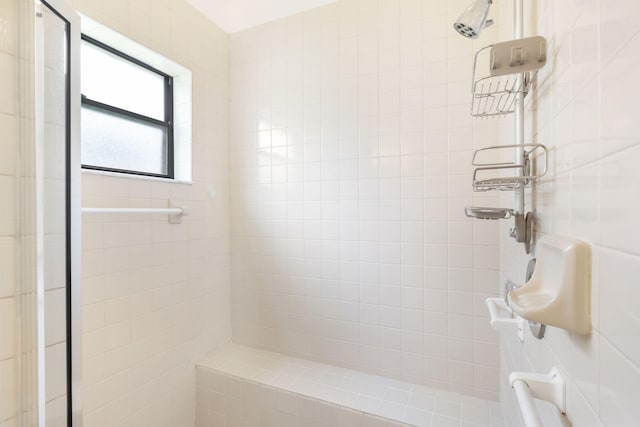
[{"x": 236, "y": 15}]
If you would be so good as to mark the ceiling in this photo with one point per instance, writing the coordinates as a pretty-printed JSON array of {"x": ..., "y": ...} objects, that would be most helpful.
[{"x": 237, "y": 15}]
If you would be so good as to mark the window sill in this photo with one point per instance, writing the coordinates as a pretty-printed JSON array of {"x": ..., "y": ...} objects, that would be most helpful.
[{"x": 132, "y": 176}]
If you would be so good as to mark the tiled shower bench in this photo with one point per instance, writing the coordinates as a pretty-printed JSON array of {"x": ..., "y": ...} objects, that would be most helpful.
[{"x": 239, "y": 386}]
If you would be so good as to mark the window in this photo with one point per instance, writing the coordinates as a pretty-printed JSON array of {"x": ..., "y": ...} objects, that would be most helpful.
[{"x": 127, "y": 113}]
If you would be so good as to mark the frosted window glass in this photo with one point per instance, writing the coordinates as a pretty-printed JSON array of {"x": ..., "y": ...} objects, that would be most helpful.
[
  {"x": 113, "y": 80},
  {"x": 115, "y": 142}
]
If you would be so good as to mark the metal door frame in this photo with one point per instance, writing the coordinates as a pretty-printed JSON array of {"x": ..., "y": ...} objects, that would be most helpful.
[{"x": 72, "y": 203}]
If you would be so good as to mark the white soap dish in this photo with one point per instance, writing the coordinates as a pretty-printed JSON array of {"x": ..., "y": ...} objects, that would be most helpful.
[{"x": 559, "y": 292}]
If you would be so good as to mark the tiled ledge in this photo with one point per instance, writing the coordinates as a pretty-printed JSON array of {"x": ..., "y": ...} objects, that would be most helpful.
[{"x": 267, "y": 388}]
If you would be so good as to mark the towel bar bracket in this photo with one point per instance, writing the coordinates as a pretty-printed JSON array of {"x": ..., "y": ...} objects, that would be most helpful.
[
  {"x": 550, "y": 387},
  {"x": 177, "y": 218},
  {"x": 509, "y": 323}
]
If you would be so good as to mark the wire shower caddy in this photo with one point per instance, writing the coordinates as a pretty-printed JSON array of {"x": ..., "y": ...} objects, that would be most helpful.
[{"x": 503, "y": 71}]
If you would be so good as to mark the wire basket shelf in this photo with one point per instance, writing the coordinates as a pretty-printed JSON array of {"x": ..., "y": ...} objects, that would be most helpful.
[
  {"x": 503, "y": 71},
  {"x": 497, "y": 96},
  {"x": 489, "y": 174}
]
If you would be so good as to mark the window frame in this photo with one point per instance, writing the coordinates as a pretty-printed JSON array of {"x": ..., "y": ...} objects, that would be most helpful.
[{"x": 167, "y": 123}]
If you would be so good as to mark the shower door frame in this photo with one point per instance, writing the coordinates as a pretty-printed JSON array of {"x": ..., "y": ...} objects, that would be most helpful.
[{"x": 73, "y": 309}]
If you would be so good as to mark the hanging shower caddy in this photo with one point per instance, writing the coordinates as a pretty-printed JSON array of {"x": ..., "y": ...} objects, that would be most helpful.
[
  {"x": 490, "y": 175},
  {"x": 502, "y": 72},
  {"x": 502, "y": 77}
]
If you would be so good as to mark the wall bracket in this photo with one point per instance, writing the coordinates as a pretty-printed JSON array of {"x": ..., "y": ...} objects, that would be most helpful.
[{"x": 550, "y": 387}]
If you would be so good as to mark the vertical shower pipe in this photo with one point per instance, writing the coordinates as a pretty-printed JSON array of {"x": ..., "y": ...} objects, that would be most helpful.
[{"x": 518, "y": 33}]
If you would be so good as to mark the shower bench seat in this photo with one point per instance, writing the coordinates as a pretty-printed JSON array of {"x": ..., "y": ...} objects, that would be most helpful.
[{"x": 240, "y": 386}]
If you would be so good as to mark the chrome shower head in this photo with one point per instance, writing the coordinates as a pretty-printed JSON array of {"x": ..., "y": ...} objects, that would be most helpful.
[{"x": 473, "y": 20}]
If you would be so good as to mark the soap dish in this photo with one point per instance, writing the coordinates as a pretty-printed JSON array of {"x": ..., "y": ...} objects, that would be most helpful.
[
  {"x": 488, "y": 213},
  {"x": 559, "y": 292}
]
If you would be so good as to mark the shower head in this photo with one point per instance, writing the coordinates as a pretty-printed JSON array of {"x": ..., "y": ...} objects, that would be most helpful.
[{"x": 473, "y": 20}]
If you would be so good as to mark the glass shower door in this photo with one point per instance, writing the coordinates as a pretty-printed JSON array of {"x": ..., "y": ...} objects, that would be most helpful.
[{"x": 57, "y": 211}]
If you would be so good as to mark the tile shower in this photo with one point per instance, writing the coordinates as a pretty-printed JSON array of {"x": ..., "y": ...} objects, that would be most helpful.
[
  {"x": 326, "y": 274},
  {"x": 350, "y": 148}
]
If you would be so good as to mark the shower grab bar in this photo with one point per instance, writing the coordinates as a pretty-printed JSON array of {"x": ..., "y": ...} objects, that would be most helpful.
[
  {"x": 528, "y": 385},
  {"x": 167, "y": 211},
  {"x": 175, "y": 212},
  {"x": 528, "y": 409}
]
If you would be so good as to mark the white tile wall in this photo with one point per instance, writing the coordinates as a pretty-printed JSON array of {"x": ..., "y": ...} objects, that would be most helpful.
[
  {"x": 586, "y": 114},
  {"x": 242, "y": 386},
  {"x": 351, "y": 147},
  {"x": 8, "y": 146},
  {"x": 156, "y": 295}
]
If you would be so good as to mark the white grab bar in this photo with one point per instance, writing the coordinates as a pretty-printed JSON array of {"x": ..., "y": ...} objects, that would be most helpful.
[
  {"x": 527, "y": 406},
  {"x": 165, "y": 211},
  {"x": 175, "y": 212},
  {"x": 501, "y": 323},
  {"x": 527, "y": 386}
]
